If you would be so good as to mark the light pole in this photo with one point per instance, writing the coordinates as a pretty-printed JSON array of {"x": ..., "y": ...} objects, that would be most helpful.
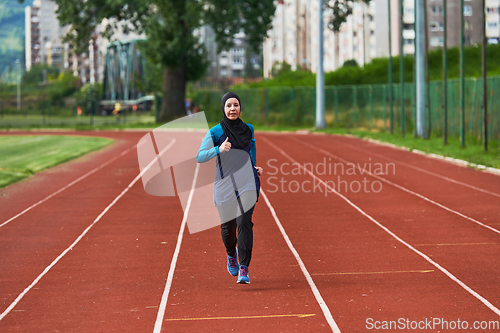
[
  {"x": 462, "y": 76},
  {"x": 420, "y": 67},
  {"x": 401, "y": 68},
  {"x": 445, "y": 73},
  {"x": 485, "y": 103},
  {"x": 18, "y": 65},
  {"x": 320, "y": 78},
  {"x": 390, "y": 71}
]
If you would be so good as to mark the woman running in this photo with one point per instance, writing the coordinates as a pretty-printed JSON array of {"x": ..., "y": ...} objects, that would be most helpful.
[{"x": 237, "y": 183}]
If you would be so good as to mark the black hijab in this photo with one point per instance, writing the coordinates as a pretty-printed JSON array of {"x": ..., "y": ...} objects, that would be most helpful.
[{"x": 237, "y": 131}]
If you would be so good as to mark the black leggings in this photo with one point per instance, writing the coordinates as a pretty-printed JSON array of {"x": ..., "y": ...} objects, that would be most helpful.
[{"x": 244, "y": 225}]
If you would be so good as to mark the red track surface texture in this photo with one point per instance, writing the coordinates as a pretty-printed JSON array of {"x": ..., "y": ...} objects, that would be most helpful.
[{"x": 415, "y": 242}]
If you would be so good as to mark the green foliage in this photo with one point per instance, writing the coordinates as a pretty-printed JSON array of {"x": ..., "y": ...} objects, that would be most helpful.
[
  {"x": 170, "y": 27},
  {"x": 341, "y": 9},
  {"x": 372, "y": 73},
  {"x": 280, "y": 68},
  {"x": 228, "y": 18},
  {"x": 377, "y": 71},
  {"x": 284, "y": 78},
  {"x": 152, "y": 81},
  {"x": 35, "y": 74},
  {"x": 350, "y": 63},
  {"x": 89, "y": 93},
  {"x": 473, "y": 62}
]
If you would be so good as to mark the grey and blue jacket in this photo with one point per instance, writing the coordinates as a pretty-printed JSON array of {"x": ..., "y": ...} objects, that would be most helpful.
[{"x": 233, "y": 175}]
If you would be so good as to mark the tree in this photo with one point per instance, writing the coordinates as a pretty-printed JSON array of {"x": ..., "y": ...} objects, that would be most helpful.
[
  {"x": 341, "y": 10},
  {"x": 36, "y": 73},
  {"x": 350, "y": 63},
  {"x": 171, "y": 28}
]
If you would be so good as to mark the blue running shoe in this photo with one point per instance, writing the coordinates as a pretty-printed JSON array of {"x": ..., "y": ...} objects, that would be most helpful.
[
  {"x": 232, "y": 265},
  {"x": 243, "y": 275}
]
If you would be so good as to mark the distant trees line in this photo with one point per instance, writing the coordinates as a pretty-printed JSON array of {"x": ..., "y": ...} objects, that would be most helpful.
[{"x": 376, "y": 72}]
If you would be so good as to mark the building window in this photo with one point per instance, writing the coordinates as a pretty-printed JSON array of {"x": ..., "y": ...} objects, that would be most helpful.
[
  {"x": 436, "y": 26},
  {"x": 408, "y": 11},
  {"x": 437, "y": 41},
  {"x": 437, "y": 10},
  {"x": 467, "y": 25},
  {"x": 467, "y": 10},
  {"x": 491, "y": 24}
]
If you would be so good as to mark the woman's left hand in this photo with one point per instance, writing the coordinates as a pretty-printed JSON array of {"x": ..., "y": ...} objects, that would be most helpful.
[{"x": 259, "y": 170}]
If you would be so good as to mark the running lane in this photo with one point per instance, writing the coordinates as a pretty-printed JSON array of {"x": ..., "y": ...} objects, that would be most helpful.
[
  {"x": 112, "y": 279},
  {"x": 362, "y": 270},
  {"x": 204, "y": 297}
]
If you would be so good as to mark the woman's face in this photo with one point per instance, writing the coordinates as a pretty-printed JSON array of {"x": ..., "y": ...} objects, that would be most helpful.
[{"x": 232, "y": 109}]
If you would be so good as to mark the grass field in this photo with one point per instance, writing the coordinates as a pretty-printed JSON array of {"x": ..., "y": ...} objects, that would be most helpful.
[{"x": 23, "y": 156}]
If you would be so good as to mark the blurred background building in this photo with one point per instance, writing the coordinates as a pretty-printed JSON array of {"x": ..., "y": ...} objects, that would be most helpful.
[
  {"x": 293, "y": 37},
  {"x": 44, "y": 43}
]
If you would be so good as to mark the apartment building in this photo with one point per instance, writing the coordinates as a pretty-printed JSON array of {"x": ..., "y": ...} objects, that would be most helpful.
[
  {"x": 493, "y": 20},
  {"x": 473, "y": 23},
  {"x": 231, "y": 63},
  {"x": 294, "y": 36},
  {"x": 32, "y": 30},
  {"x": 44, "y": 44},
  {"x": 365, "y": 35}
]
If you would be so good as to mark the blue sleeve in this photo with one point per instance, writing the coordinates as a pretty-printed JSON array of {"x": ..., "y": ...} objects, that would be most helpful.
[
  {"x": 253, "y": 149},
  {"x": 207, "y": 150}
]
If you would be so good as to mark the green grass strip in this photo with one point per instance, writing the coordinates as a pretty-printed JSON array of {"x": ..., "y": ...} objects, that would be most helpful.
[{"x": 23, "y": 156}]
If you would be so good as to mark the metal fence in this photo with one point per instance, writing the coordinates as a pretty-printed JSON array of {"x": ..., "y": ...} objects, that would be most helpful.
[
  {"x": 37, "y": 110},
  {"x": 366, "y": 106},
  {"x": 48, "y": 120}
]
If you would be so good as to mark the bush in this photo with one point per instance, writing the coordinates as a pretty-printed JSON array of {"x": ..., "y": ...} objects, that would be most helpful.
[{"x": 87, "y": 94}]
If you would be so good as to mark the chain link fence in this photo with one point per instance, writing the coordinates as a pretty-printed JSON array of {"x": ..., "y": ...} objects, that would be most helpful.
[
  {"x": 39, "y": 107},
  {"x": 366, "y": 107}
]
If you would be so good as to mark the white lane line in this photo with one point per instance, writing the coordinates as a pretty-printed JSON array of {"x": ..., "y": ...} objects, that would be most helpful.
[
  {"x": 173, "y": 263},
  {"x": 432, "y": 262},
  {"x": 403, "y": 188},
  {"x": 69, "y": 185},
  {"x": 47, "y": 269},
  {"x": 317, "y": 295},
  {"x": 422, "y": 170}
]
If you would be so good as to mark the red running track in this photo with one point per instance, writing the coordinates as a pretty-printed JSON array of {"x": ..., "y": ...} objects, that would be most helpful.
[{"x": 422, "y": 244}]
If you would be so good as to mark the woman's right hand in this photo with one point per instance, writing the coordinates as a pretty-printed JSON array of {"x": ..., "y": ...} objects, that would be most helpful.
[{"x": 225, "y": 146}]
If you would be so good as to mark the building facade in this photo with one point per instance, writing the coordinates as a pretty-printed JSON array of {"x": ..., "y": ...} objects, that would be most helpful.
[
  {"x": 43, "y": 44},
  {"x": 365, "y": 35},
  {"x": 238, "y": 61},
  {"x": 294, "y": 36},
  {"x": 32, "y": 33}
]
